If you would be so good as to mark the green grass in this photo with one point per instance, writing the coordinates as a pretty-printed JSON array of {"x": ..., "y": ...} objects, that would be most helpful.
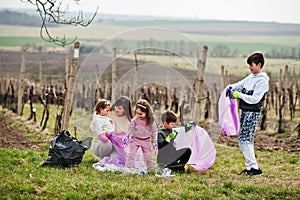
[
  {"x": 24, "y": 178},
  {"x": 239, "y": 67},
  {"x": 234, "y": 66},
  {"x": 20, "y": 41},
  {"x": 79, "y": 119},
  {"x": 53, "y": 110},
  {"x": 13, "y": 36}
]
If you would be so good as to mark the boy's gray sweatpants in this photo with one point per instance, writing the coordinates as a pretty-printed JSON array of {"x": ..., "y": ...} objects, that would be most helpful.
[{"x": 249, "y": 121}]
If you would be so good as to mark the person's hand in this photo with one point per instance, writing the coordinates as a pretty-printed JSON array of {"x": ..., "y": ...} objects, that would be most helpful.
[
  {"x": 108, "y": 134},
  {"x": 171, "y": 136},
  {"x": 154, "y": 145},
  {"x": 235, "y": 95},
  {"x": 228, "y": 92},
  {"x": 189, "y": 126},
  {"x": 103, "y": 138}
]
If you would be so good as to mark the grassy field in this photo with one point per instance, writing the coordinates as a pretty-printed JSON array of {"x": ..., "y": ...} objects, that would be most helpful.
[
  {"x": 234, "y": 66},
  {"x": 239, "y": 67},
  {"x": 243, "y": 47},
  {"x": 24, "y": 178},
  {"x": 53, "y": 112},
  {"x": 20, "y": 41},
  {"x": 133, "y": 31}
]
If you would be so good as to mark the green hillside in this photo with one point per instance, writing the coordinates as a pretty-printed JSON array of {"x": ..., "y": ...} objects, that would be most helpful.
[{"x": 224, "y": 38}]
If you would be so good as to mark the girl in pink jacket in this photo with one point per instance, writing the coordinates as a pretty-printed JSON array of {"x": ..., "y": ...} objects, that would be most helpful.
[{"x": 141, "y": 130}]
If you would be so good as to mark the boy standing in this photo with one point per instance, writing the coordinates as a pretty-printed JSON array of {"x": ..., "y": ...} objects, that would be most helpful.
[
  {"x": 167, "y": 155},
  {"x": 251, "y": 92}
]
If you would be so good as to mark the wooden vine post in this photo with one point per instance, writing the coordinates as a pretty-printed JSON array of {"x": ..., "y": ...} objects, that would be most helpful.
[
  {"x": 41, "y": 73},
  {"x": 199, "y": 84},
  {"x": 114, "y": 74},
  {"x": 70, "y": 87},
  {"x": 21, "y": 82},
  {"x": 135, "y": 81},
  {"x": 66, "y": 68}
]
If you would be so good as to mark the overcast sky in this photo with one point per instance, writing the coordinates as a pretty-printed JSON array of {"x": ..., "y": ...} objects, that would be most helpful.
[{"x": 286, "y": 11}]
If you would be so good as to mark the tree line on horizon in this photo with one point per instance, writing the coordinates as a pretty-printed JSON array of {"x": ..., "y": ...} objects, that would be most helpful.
[{"x": 9, "y": 17}]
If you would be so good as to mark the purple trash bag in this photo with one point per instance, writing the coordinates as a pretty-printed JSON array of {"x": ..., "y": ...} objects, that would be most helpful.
[
  {"x": 228, "y": 115},
  {"x": 199, "y": 142}
]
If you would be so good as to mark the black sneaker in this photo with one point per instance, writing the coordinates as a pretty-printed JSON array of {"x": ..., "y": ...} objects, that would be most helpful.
[
  {"x": 178, "y": 169},
  {"x": 254, "y": 172},
  {"x": 244, "y": 172}
]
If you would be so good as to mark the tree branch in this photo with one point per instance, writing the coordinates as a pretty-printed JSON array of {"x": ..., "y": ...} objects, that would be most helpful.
[{"x": 52, "y": 12}]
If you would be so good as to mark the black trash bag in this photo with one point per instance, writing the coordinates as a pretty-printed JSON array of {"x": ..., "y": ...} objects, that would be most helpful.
[{"x": 66, "y": 151}]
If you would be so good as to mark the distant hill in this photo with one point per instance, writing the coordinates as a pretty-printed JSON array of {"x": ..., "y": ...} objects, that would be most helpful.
[
  {"x": 215, "y": 27},
  {"x": 28, "y": 17}
]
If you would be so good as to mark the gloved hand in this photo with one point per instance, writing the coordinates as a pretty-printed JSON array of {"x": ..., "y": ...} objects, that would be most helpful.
[
  {"x": 235, "y": 95},
  {"x": 228, "y": 92},
  {"x": 154, "y": 145},
  {"x": 103, "y": 138},
  {"x": 125, "y": 140},
  {"x": 189, "y": 125},
  {"x": 171, "y": 136}
]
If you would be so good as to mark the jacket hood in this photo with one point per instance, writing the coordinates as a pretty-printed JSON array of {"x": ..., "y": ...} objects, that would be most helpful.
[{"x": 262, "y": 75}]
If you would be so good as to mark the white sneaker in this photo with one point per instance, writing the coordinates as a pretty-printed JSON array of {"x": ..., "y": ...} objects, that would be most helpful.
[
  {"x": 165, "y": 172},
  {"x": 99, "y": 167}
]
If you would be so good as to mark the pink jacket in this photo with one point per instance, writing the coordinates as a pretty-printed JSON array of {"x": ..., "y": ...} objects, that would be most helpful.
[{"x": 138, "y": 129}]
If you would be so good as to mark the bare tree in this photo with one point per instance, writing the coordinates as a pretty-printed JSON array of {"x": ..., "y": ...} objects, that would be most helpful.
[{"x": 53, "y": 12}]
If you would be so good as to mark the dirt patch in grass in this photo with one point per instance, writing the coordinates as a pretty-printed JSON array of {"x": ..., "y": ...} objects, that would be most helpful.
[
  {"x": 269, "y": 140},
  {"x": 19, "y": 134}
]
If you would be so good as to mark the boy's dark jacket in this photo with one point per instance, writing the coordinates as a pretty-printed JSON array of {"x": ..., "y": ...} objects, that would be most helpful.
[{"x": 162, "y": 135}]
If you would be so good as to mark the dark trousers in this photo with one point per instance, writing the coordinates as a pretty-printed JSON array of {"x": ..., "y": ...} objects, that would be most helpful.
[{"x": 168, "y": 156}]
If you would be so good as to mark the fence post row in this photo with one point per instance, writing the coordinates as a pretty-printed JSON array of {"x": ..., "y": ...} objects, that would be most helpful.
[{"x": 283, "y": 96}]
